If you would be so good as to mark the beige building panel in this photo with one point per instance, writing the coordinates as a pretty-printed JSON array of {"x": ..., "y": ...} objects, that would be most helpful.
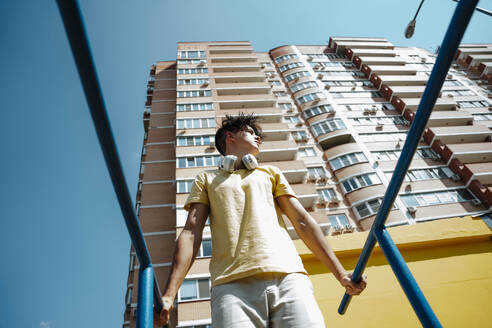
[
  {"x": 162, "y": 73},
  {"x": 181, "y": 199},
  {"x": 194, "y": 132},
  {"x": 161, "y": 247},
  {"x": 342, "y": 149},
  {"x": 159, "y": 171},
  {"x": 288, "y": 165},
  {"x": 165, "y": 84},
  {"x": 161, "y": 120},
  {"x": 195, "y": 310},
  {"x": 311, "y": 49},
  {"x": 200, "y": 266},
  {"x": 159, "y": 153},
  {"x": 369, "y": 192},
  {"x": 393, "y": 216},
  {"x": 158, "y": 194},
  {"x": 356, "y": 169},
  {"x": 163, "y": 94},
  {"x": 454, "y": 209},
  {"x": 193, "y": 150},
  {"x": 191, "y": 173},
  {"x": 195, "y": 114},
  {"x": 157, "y": 219},
  {"x": 163, "y": 106},
  {"x": 161, "y": 134},
  {"x": 433, "y": 184},
  {"x": 281, "y": 144},
  {"x": 301, "y": 189},
  {"x": 263, "y": 97}
]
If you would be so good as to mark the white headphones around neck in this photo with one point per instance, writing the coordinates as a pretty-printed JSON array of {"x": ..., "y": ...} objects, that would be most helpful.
[{"x": 228, "y": 162}]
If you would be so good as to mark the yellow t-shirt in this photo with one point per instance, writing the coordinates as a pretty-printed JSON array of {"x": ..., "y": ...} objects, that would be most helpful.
[{"x": 248, "y": 233}]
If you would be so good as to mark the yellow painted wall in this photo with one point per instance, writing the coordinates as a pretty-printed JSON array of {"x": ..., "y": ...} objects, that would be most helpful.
[{"x": 450, "y": 259}]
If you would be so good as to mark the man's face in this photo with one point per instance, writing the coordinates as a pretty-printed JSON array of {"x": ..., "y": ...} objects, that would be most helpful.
[{"x": 247, "y": 140}]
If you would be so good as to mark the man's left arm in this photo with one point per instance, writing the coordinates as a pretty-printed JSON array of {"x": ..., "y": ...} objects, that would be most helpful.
[{"x": 311, "y": 234}]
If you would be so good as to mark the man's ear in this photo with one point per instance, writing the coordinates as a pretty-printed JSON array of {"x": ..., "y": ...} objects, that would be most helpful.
[{"x": 230, "y": 136}]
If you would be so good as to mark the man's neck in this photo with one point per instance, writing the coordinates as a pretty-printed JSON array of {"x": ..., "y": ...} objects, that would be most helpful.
[{"x": 239, "y": 162}]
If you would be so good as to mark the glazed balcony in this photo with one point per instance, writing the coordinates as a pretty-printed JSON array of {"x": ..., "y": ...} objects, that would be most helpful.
[{"x": 458, "y": 134}]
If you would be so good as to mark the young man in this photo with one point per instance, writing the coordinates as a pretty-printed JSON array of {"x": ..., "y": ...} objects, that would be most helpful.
[{"x": 258, "y": 279}]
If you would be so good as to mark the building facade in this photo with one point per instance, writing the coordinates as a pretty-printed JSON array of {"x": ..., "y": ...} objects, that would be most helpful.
[{"x": 334, "y": 120}]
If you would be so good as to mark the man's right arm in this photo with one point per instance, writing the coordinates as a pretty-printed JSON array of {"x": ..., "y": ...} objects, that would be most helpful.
[{"x": 187, "y": 247}]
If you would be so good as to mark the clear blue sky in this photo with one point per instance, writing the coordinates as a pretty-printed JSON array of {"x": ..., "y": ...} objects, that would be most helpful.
[{"x": 63, "y": 241}]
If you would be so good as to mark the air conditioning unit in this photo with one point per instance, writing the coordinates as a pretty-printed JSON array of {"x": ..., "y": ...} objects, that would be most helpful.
[
  {"x": 379, "y": 126},
  {"x": 456, "y": 177},
  {"x": 321, "y": 179},
  {"x": 304, "y": 139},
  {"x": 322, "y": 201},
  {"x": 338, "y": 229},
  {"x": 449, "y": 95},
  {"x": 201, "y": 62},
  {"x": 411, "y": 209},
  {"x": 317, "y": 66},
  {"x": 263, "y": 65},
  {"x": 353, "y": 88},
  {"x": 407, "y": 123},
  {"x": 290, "y": 110},
  {"x": 476, "y": 202},
  {"x": 299, "y": 123},
  {"x": 423, "y": 59},
  {"x": 205, "y": 84},
  {"x": 449, "y": 76},
  {"x": 212, "y": 143},
  {"x": 310, "y": 58},
  {"x": 320, "y": 76},
  {"x": 367, "y": 110},
  {"x": 327, "y": 87}
]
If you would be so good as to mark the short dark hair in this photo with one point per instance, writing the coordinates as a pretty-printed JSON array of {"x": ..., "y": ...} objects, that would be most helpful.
[{"x": 234, "y": 124}]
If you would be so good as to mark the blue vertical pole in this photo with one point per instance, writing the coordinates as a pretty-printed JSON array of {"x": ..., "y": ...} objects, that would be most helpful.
[
  {"x": 145, "y": 291},
  {"x": 452, "y": 39}
]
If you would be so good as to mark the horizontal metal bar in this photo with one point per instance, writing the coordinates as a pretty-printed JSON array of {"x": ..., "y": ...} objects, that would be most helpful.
[
  {"x": 74, "y": 27},
  {"x": 452, "y": 39},
  {"x": 407, "y": 281}
]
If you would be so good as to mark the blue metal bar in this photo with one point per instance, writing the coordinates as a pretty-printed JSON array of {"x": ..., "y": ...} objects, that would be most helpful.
[
  {"x": 145, "y": 291},
  {"x": 407, "y": 281},
  {"x": 452, "y": 39},
  {"x": 79, "y": 44}
]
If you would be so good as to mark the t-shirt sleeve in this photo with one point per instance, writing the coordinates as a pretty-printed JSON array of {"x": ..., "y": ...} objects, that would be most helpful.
[
  {"x": 198, "y": 193},
  {"x": 281, "y": 186}
]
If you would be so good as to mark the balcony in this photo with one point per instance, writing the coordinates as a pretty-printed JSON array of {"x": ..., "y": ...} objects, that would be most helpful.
[
  {"x": 471, "y": 153},
  {"x": 340, "y": 46},
  {"x": 387, "y": 70},
  {"x": 482, "y": 171},
  {"x": 238, "y": 90},
  {"x": 216, "y": 50},
  {"x": 449, "y": 118},
  {"x": 246, "y": 101},
  {"x": 369, "y": 52},
  {"x": 233, "y": 58},
  {"x": 379, "y": 61},
  {"x": 407, "y": 91},
  {"x": 275, "y": 131},
  {"x": 441, "y": 104},
  {"x": 334, "y": 138},
  {"x": 238, "y": 78},
  {"x": 265, "y": 114},
  {"x": 306, "y": 193},
  {"x": 237, "y": 69},
  {"x": 294, "y": 171},
  {"x": 399, "y": 80},
  {"x": 458, "y": 134},
  {"x": 273, "y": 151}
]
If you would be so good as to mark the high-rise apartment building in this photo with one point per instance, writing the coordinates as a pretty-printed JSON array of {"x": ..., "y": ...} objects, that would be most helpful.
[{"x": 334, "y": 120}]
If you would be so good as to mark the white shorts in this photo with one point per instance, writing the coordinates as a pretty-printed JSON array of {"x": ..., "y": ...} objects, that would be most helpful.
[{"x": 273, "y": 300}]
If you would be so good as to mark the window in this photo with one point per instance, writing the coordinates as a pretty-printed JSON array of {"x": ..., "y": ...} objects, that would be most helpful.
[
  {"x": 426, "y": 174},
  {"x": 291, "y": 119},
  {"x": 457, "y": 93},
  {"x": 326, "y": 126},
  {"x": 279, "y": 93},
  {"x": 194, "y": 93},
  {"x": 275, "y": 82},
  {"x": 285, "y": 105},
  {"x": 195, "y": 123},
  {"x": 309, "y": 97},
  {"x": 360, "y": 181},
  {"x": 374, "y": 120},
  {"x": 333, "y": 56},
  {"x": 347, "y": 159},
  {"x": 482, "y": 117},
  {"x": 192, "y": 70},
  {"x": 191, "y": 81},
  {"x": 393, "y": 155},
  {"x": 350, "y": 83},
  {"x": 194, "y": 107},
  {"x": 292, "y": 76},
  {"x": 299, "y": 135},
  {"x": 448, "y": 83},
  {"x": 303, "y": 85},
  {"x": 326, "y": 194},
  {"x": 370, "y": 107},
  {"x": 472, "y": 104},
  {"x": 322, "y": 65},
  {"x": 344, "y": 73},
  {"x": 338, "y": 220},
  {"x": 183, "y": 186},
  {"x": 368, "y": 208},
  {"x": 306, "y": 152},
  {"x": 316, "y": 172},
  {"x": 285, "y": 57},
  {"x": 286, "y": 67},
  {"x": 313, "y": 111},
  {"x": 438, "y": 197},
  {"x": 191, "y": 54},
  {"x": 205, "y": 248},
  {"x": 190, "y": 61},
  {"x": 194, "y": 289},
  {"x": 194, "y": 140},
  {"x": 198, "y": 161},
  {"x": 266, "y": 64}
]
